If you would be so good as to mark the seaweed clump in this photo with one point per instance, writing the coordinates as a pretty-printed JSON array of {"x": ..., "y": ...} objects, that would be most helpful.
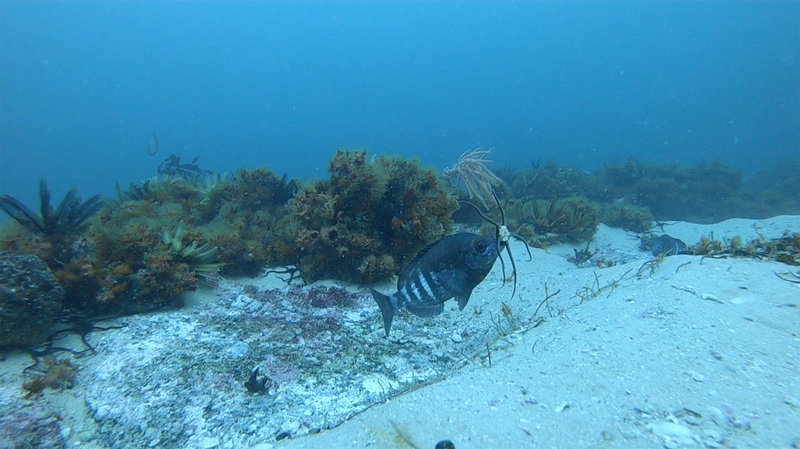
[
  {"x": 546, "y": 181},
  {"x": 785, "y": 249},
  {"x": 49, "y": 373},
  {"x": 240, "y": 215},
  {"x": 631, "y": 218},
  {"x": 571, "y": 220},
  {"x": 172, "y": 234},
  {"x": 364, "y": 222},
  {"x": 157, "y": 240},
  {"x": 629, "y": 191},
  {"x": 705, "y": 193},
  {"x": 50, "y": 234},
  {"x": 249, "y": 190},
  {"x": 700, "y": 194}
]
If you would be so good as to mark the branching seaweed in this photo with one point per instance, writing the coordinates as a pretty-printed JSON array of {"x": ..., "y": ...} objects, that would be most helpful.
[
  {"x": 652, "y": 264},
  {"x": 509, "y": 322},
  {"x": 294, "y": 272},
  {"x": 582, "y": 256},
  {"x": 572, "y": 219},
  {"x": 594, "y": 290},
  {"x": 546, "y": 300},
  {"x": 48, "y": 372},
  {"x": 794, "y": 278}
]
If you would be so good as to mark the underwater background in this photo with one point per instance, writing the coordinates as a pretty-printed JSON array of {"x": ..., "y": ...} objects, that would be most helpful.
[
  {"x": 84, "y": 85},
  {"x": 247, "y": 169}
]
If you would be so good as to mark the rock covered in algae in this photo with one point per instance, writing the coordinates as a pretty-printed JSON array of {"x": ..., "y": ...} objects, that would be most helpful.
[
  {"x": 366, "y": 221},
  {"x": 30, "y": 299}
]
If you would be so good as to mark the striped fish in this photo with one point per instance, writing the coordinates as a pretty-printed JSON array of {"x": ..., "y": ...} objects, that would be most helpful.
[
  {"x": 667, "y": 245},
  {"x": 448, "y": 268}
]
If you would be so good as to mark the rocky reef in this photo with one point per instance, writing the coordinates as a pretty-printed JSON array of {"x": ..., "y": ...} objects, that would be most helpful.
[
  {"x": 171, "y": 233},
  {"x": 633, "y": 192}
]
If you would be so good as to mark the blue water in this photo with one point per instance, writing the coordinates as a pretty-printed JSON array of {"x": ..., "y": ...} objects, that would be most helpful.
[{"x": 84, "y": 85}]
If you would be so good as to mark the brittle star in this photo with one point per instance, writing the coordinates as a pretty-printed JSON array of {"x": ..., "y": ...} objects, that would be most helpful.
[
  {"x": 504, "y": 236},
  {"x": 82, "y": 327}
]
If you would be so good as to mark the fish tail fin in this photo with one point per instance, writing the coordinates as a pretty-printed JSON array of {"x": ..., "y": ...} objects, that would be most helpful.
[{"x": 387, "y": 306}]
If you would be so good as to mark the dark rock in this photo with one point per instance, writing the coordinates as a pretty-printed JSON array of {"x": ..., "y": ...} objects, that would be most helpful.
[{"x": 30, "y": 300}]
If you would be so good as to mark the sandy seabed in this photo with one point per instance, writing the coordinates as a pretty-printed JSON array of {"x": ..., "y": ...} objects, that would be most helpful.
[{"x": 697, "y": 352}]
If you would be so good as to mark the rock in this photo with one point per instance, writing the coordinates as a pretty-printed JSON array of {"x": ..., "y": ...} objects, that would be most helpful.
[
  {"x": 666, "y": 428},
  {"x": 209, "y": 443},
  {"x": 30, "y": 300}
]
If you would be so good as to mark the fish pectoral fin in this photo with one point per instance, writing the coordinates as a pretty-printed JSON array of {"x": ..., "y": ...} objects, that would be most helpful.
[
  {"x": 426, "y": 311},
  {"x": 454, "y": 280},
  {"x": 462, "y": 300}
]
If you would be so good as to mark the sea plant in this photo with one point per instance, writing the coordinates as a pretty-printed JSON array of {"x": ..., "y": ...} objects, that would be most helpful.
[
  {"x": 546, "y": 181},
  {"x": 705, "y": 193},
  {"x": 785, "y": 249},
  {"x": 70, "y": 214},
  {"x": 49, "y": 373},
  {"x": 173, "y": 240},
  {"x": 567, "y": 220},
  {"x": 162, "y": 189},
  {"x": 198, "y": 257},
  {"x": 471, "y": 169},
  {"x": 172, "y": 166},
  {"x": 363, "y": 223},
  {"x": 630, "y": 218},
  {"x": 249, "y": 190}
]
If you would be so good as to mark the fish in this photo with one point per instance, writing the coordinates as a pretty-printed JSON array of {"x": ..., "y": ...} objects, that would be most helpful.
[
  {"x": 450, "y": 267},
  {"x": 667, "y": 245},
  {"x": 152, "y": 149}
]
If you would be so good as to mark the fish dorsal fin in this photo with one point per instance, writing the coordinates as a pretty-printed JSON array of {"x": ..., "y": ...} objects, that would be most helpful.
[{"x": 425, "y": 311}]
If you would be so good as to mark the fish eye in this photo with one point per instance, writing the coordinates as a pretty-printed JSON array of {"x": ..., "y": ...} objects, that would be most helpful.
[{"x": 481, "y": 247}]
